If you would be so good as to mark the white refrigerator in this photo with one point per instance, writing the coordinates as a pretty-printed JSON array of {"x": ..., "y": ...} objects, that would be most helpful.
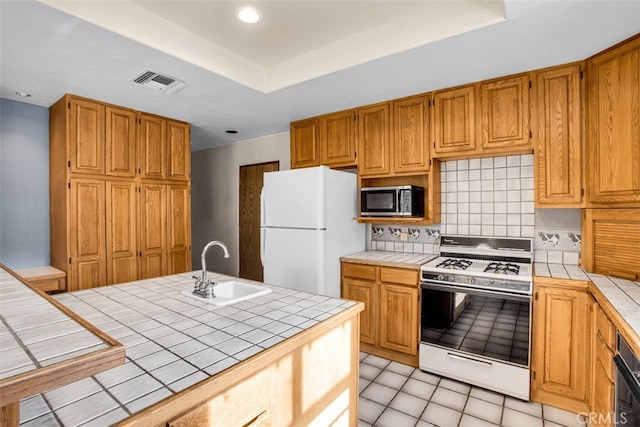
[{"x": 307, "y": 223}]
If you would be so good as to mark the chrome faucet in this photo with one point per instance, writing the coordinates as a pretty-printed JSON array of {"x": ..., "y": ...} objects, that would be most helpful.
[{"x": 204, "y": 287}]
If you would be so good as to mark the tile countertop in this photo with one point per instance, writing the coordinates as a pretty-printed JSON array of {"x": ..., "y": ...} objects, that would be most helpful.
[
  {"x": 389, "y": 259},
  {"x": 623, "y": 294},
  {"x": 172, "y": 342}
]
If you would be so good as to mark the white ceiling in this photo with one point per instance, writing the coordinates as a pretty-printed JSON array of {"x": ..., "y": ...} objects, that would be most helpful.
[{"x": 303, "y": 59}]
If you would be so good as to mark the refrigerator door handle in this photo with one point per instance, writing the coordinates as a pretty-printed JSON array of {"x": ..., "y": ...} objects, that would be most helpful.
[{"x": 262, "y": 228}]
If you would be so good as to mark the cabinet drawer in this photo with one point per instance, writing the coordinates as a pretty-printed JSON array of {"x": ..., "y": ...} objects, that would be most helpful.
[
  {"x": 48, "y": 284},
  {"x": 399, "y": 275},
  {"x": 358, "y": 270},
  {"x": 604, "y": 357},
  {"x": 606, "y": 329}
]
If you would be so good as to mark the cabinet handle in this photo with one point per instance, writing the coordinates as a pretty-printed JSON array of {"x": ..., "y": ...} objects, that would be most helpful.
[{"x": 469, "y": 359}]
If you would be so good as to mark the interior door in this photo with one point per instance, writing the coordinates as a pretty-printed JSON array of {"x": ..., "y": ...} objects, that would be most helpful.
[{"x": 251, "y": 181}]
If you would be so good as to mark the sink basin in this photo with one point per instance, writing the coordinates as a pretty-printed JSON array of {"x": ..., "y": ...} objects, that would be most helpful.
[{"x": 230, "y": 292}]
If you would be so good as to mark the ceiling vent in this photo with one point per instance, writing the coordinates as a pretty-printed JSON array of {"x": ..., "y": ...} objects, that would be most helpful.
[{"x": 157, "y": 81}]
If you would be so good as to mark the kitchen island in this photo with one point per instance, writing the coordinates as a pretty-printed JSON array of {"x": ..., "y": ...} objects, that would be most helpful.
[{"x": 285, "y": 358}]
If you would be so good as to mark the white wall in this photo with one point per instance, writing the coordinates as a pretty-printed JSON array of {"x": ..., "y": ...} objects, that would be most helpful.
[{"x": 214, "y": 195}]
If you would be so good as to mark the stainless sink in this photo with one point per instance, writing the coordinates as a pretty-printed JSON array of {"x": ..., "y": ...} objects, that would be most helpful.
[{"x": 230, "y": 292}]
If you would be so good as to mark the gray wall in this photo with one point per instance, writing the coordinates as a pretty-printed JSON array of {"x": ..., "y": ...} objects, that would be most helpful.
[
  {"x": 24, "y": 184},
  {"x": 214, "y": 195}
]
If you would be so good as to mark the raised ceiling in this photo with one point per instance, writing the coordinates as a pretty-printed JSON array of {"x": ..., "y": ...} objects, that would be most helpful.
[{"x": 304, "y": 58}]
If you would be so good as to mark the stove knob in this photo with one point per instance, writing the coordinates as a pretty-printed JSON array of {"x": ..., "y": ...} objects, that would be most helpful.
[
  {"x": 451, "y": 278},
  {"x": 472, "y": 280},
  {"x": 440, "y": 277}
]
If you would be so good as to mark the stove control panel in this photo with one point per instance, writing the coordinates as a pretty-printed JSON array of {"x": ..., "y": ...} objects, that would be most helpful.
[{"x": 478, "y": 282}]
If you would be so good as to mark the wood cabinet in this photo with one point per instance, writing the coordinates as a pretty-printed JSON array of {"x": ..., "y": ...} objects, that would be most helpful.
[
  {"x": 305, "y": 143},
  {"x": 410, "y": 135},
  {"x": 557, "y": 134},
  {"x": 504, "y": 115},
  {"x": 389, "y": 322},
  {"x": 561, "y": 344},
  {"x": 46, "y": 279},
  {"x": 453, "y": 122},
  {"x": 603, "y": 368},
  {"x": 338, "y": 139},
  {"x": 119, "y": 193},
  {"x": 613, "y": 119},
  {"x": 373, "y": 140}
]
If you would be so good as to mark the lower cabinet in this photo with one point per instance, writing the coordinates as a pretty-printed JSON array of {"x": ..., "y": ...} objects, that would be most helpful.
[
  {"x": 389, "y": 323},
  {"x": 604, "y": 370},
  {"x": 561, "y": 344}
]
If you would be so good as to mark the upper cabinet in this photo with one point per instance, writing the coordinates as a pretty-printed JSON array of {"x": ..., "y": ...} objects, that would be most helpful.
[
  {"x": 86, "y": 136},
  {"x": 453, "y": 122},
  {"x": 178, "y": 150},
  {"x": 410, "y": 135},
  {"x": 504, "y": 115},
  {"x": 338, "y": 139},
  {"x": 613, "y": 119},
  {"x": 373, "y": 140},
  {"x": 153, "y": 147},
  {"x": 120, "y": 142},
  {"x": 305, "y": 143},
  {"x": 556, "y": 120}
]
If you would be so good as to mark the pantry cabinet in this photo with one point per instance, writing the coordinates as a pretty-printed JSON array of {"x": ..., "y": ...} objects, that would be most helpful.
[
  {"x": 504, "y": 115},
  {"x": 119, "y": 193},
  {"x": 374, "y": 146},
  {"x": 390, "y": 320},
  {"x": 305, "y": 143},
  {"x": 561, "y": 344},
  {"x": 410, "y": 135},
  {"x": 338, "y": 139},
  {"x": 453, "y": 121},
  {"x": 557, "y": 134},
  {"x": 613, "y": 120}
]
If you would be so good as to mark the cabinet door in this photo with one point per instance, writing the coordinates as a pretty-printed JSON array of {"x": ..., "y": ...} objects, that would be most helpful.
[
  {"x": 399, "y": 318},
  {"x": 561, "y": 347},
  {"x": 305, "y": 143},
  {"x": 374, "y": 148},
  {"x": 614, "y": 126},
  {"x": 179, "y": 229},
  {"x": 604, "y": 371},
  {"x": 153, "y": 230},
  {"x": 338, "y": 139},
  {"x": 153, "y": 147},
  {"x": 87, "y": 240},
  {"x": 86, "y": 134},
  {"x": 454, "y": 121},
  {"x": 121, "y": 142},
  {"x": 179, "y": 150},
  {"x": 411, "y": 135},
  {"x": 363, "y": 291},
  {"x": 558, "y": 137},
  {"x": 121, "y": 230},
  {"x": 504, "y": 117}
]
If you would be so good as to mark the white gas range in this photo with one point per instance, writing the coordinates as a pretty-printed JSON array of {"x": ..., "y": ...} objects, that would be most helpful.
[{"x": 476, "y": 310}]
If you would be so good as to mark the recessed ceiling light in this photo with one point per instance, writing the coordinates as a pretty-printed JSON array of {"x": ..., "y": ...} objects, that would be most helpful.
[
  {"x": 231, "y": 131},
  {"x": 248, "y": 15},
  {"x": 23, "y": 94}
]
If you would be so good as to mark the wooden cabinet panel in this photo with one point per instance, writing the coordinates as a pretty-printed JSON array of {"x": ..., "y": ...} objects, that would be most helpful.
[
  {"x": 179, "y": 229},
  {"x": 556, "y": 119},
  {"x": 561, "y": 347},
  {"x": 399, "y": 307},
  {"x": 614, "y": 126},
  {"x": 374, "y": 150},
  {"x": 121, "y": 140},
  {"x": 603, "y": 369},
  {"x": 400, "y": 275},
  {"x": 338, "y": 139},
  {"x": 454, "y": 121},
  {"x": 153, "y": 230},
  {"x": 364, "y": 291},
  {"x": 121, "y": 230},
  {"x": 504, "y": 117},
  {"x": 87, "y": 211},
  {"x": 411, "y": 135},
  {"x": 153, "y": 147},
  {"x": 87, "y": 136},
  {"x": 179, "y": 150},
  {"x": 305, "y": 143}
]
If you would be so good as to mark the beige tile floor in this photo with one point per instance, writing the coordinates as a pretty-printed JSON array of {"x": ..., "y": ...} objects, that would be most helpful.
[{"x": 397, "y": 395}]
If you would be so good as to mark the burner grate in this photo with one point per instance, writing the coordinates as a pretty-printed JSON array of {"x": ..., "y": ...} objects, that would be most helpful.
[
  {"x": 455, "y": 264},
  {"x": 502, "y": 268}
]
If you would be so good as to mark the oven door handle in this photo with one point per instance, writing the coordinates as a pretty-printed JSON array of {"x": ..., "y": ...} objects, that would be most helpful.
[
  {"x": 628, "y": 376},
  {"x": 468, "y": 359}
]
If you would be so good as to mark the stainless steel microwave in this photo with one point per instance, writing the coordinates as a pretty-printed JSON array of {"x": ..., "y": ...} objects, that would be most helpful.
[{"x": 402, "y": 200}]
